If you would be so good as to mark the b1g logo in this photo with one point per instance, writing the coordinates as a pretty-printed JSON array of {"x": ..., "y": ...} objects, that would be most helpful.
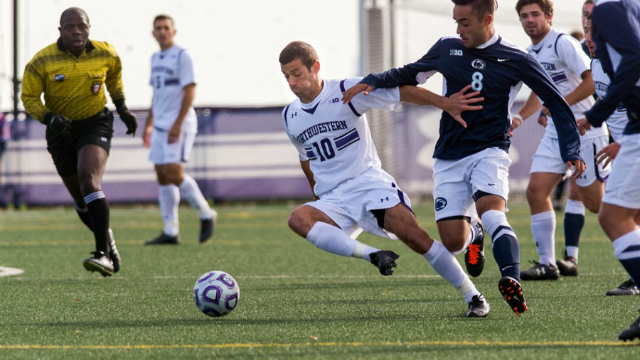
[{"x": 440, "y": 204}]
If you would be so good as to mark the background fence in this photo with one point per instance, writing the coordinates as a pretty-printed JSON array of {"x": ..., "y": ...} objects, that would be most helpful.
[{"x": 239, "y": 154}]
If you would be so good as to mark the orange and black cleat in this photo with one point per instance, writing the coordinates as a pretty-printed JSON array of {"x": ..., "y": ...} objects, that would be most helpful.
[
  {"x": 474, "y": 255},
  {"x": 511, "y": 291}
]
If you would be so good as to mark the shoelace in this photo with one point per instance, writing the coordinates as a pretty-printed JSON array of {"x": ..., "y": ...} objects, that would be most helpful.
[{"x": 474, "y": 254}]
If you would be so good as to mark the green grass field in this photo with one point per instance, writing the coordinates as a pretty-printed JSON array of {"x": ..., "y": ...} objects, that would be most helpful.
[{"x": 296, "y": 301}]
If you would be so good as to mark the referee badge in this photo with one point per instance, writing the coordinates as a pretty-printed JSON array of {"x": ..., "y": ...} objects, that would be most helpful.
[{"x": 95, "y": 87}]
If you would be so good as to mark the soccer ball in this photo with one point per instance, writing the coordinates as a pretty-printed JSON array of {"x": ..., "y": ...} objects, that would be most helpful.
[{"x": 216, "y": 293}]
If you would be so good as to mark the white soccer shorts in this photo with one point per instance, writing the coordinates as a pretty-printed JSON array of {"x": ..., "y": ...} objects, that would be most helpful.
[
  {"x": 350, "y": 203},
  {"x": 623, "y": 188},
  {"x": 161, "y": 152},
  {"x": 547, "y": 159},
  {"x": 455, "y": 181}
]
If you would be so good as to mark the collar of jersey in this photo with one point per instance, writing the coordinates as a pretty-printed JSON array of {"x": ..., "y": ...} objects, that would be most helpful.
[
  {"x": 89, "y": 47},
  {"x": 542, "y": 43},
  {"x": 494, "y": 39},
  {"x": 165, "y": 52},
  {"x": 312, "y": 106}
]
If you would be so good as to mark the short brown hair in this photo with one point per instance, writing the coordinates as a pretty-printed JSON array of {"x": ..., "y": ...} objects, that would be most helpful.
[
  {"x": 299, "y": 50},
  {"x": 162, "y": 17},
  {"x": 480, "y": 7},
  {"x": 545, "y": 5}
]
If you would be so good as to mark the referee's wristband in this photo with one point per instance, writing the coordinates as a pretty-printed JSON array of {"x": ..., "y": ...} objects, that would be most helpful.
[{"x": 518, "y": 116}]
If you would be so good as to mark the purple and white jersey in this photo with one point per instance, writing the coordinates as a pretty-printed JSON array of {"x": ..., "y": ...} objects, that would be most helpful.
[
  {"x": 171, "y": 71},
  {"x": 618, "y": 120},
  {"x": 564, "y": 60},
  {"x": 333, "y": 136}
]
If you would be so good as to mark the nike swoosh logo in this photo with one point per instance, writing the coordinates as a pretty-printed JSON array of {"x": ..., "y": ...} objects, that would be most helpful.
[{"x": 502, "y": 60}]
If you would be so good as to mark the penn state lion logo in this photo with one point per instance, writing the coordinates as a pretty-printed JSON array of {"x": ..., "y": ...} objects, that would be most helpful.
[
  {"x": 478, "y": 64},
  {"x": 440, "y": 204}
]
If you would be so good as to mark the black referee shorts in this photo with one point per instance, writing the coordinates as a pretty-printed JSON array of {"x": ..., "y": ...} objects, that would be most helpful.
[{"x": 96, "y": 130}]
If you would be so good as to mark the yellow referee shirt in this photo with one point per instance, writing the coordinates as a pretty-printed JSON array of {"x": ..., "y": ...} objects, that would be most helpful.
[{"x": 72, "y": 86}]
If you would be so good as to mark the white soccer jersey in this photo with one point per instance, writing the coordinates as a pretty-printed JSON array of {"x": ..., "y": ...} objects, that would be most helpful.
[
  {"x": 618, "y": 120},
  {"x": 564, "y": 60},
  {"x": 333, "y": 136},
  {"x": 171, "y": 71}
]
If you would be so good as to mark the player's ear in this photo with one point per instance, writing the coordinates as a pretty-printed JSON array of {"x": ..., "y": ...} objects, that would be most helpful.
[
  {"x": 488, "y": 19},
  {"x": 316, "y": 67}
]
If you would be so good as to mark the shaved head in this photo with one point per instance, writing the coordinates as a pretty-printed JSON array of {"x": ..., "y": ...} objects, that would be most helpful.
[{"x": 73, "y": 12}]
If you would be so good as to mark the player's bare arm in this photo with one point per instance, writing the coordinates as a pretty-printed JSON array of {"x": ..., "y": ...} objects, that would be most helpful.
[
  {"x": 355, "y": 90},
  {"x": 455, "y": 104},
  {"x": 306, "y": 169},
  {"x": 187, "y": 101},
  {"x": 529, "y": 108},
  {"x": 148, "y": 129},
  {"x": 582, "y": 91}
]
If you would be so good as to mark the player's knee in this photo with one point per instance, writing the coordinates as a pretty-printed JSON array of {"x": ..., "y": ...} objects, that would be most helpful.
[
  {"x": 593, "y": 206},
  {"x": 297, "y": 222},
  {"x": 89, "y": 183},
  {"x": 533, "y": 194},
  {"x": 454, "y": 247}
]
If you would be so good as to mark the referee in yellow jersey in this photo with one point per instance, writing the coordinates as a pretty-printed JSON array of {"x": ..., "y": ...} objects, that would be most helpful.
[{"x": 71, "y": 74}]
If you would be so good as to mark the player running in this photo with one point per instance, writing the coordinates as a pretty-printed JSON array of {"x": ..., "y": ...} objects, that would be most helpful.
[
  {"x": 340, "y": 161},
  {"x": 566, "y": 63},
  {"x": 472, "y": 163}
]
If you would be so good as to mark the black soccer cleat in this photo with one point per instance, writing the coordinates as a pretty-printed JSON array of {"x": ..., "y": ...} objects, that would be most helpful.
[
  {"x": 628, "y": 287},
  {"x": 478, "y": 307},
  {"x": 113, "y": 252},
  {"x": 567, "y": 267},
  {"x": 632, "y": 332},
  {"x": 164, "y": 239},
  {"x": 100, "y": 263},
  {"x": 541, "y": 272},
  {"x": 511, "y": 291},
  {"x": 385, "y": 260},
  {"x": 207, "y": 226},
  {"x": 474, "y": 255}
]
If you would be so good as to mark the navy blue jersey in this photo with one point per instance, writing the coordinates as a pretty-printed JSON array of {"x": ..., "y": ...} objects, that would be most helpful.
[
  {"x": 616, "y": 32},
  {"x": 496, "y": 69}
]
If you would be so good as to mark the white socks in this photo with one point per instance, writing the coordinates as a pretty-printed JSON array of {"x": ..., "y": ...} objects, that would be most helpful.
[
  {"x": 190, "y": 190},
  {"x": 169, "y": 198},
  {"x": 543, "y": 228},
  {"x": 332, "y": 239},
  {"x": 446, "y": 265}
]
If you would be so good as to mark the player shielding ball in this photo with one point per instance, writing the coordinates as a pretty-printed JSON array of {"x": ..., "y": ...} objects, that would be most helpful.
[
  {"x": 472, "y": 162},
  {"x": 351, "y": 189}
]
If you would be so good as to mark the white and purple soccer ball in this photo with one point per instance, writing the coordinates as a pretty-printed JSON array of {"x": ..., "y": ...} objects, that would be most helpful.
[{"x": 216, "y": 293}]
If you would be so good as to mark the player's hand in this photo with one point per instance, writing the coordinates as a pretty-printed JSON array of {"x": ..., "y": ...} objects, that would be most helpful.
[
  {"x": 174, "y": 132},
  {"x": 515, "y": 122},
  {"x": 583, "y": 126},
  {"x": 607, "y": 154},
  {"x": 130, "y": 120},
  {"x": 578, "y": 167},
  {"x": 542, "y": 120},
  {"x": 355, "y": 90},
  {"x": 460, "y": 102},
  {"x": 58, "y": 124},
  {"x": 146, "y": 136}
]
